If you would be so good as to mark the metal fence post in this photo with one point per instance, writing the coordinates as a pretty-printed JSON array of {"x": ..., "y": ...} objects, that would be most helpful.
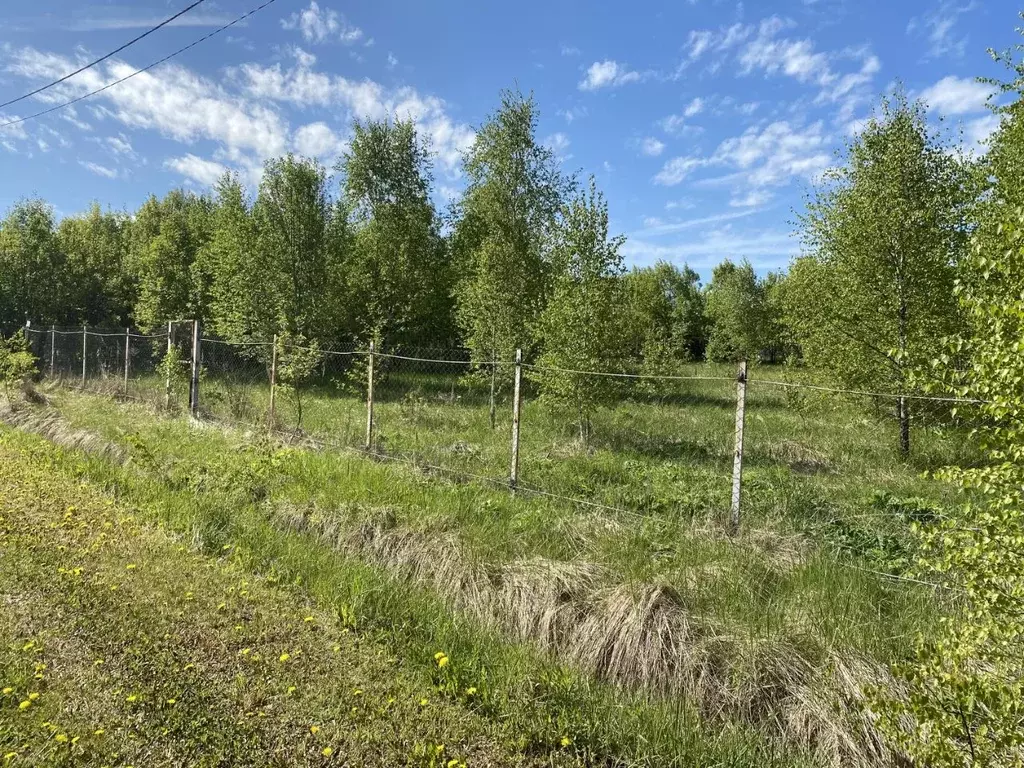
[
  {"x": 737, "y": 457},
  {"x": 517, "y": 401},
  {"x": 369, "y": 400},
  {"x": 53, "y": 347},
  {"x": 273, "y": 380},
  {"x": 127, "y": 354},
  {"x": 167, "y": 365},
  {"x": 84, "y": 336},
  {"x": 193, "y": 394}
]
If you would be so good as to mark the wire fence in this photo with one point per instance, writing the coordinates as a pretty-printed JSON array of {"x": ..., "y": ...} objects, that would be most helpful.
[{"x": 665, "y": 442}]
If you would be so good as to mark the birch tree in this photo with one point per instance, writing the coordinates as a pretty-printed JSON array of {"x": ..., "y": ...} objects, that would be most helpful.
[{"x": 872, "y": 298}]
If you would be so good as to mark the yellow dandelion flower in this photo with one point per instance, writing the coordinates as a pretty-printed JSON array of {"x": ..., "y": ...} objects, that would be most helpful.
[
  {"x": 25, "y": 705},
  {"x": 471, "y": 691},
  {"x": 308, "y": 619},
  {"x": 33, "y": 696},
  {"x": 131, "y": 567},
  {"x": 172, "y": 702},
  {"x": 8, "y": 691},
  {"x": 337, "y": 648},
  {"x": 566, "y": 741},
  {"x": 439, "y": 655},
  {"x": 424, "y": 702},
  {"x": 284, "y": 657},
  {"x": 61, "y": 737},
  {"x": 133, "y": 698},
  {"x": 291, "y": 689},
  {"x": 442, "y": 662},
  {"x": 327, "y": 752},
  {"x": 98, "y": 732},
  {"x": 245, "y": 652},
  {"x": 314, "y": 729}
]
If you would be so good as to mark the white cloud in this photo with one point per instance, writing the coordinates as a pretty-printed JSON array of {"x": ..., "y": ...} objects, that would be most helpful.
[
  {"x": 938, "y": 27},
  {"x": 607, "y": 74},
  {"x": 363, "y": 100},
  {"x": 651, "y": 147},
  {"x": 676, "y": 124},
  {"x": 99, "y": 170},
  {"x": 392, "y": 61},
  {"x": 754, "y": 198},
  {"x": 762, "y": 157},
  {"x": 977, "y": 131},
  {"x": 796, "y": 58},
  {"x": 695, "y": 107},
  {"x": 659, "y": 227},
  {"x": 682, "y": 203},
  {"x": 572, "y": 113},
  {"x": 120, "y": 145},
  {"x": 957, "y": 95},
  {"x": 767, "y": 249},
  {"x": 570, "y": 50},
  {"x": 559, "y": 144},
  {"x": 317, "y": 140},
  {"x": 317, "y": 26},
  {"x": 777, "y": 153},
  {"x": 205, "y": 172},
  {"x": 677, "y": 169},
  {"x": 145, "y": 22}
]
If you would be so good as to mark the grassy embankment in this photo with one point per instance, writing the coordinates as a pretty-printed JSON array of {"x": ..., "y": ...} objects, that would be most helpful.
[{"x": 761, "y": 642}]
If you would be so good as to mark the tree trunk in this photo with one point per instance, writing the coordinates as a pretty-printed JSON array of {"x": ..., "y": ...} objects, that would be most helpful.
[{"x": 904, "y": 418}]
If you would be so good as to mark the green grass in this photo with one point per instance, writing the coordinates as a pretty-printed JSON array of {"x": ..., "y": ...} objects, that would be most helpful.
[
  {"x": 120, "y": 646},
  {"x": 761, "y": 641}
]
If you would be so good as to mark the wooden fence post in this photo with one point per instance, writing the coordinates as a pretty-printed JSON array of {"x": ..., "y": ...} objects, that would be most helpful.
[
  {"x": 84, "y": 336},
  {"x": 494, "y": 378},
  {"x": 273, "y": 381},
  {"x": 127, "y": 356},
  {"x": 170, "y": 348},
  {"x": 369, "y": 401},
  {"x": 737, "y": 457},
  {"x": 517, "y": 402},
  {"x": 193, "y": 395},
  {"x": 53, "y": 347}
]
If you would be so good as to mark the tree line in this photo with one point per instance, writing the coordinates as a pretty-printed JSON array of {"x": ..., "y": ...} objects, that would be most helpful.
[{"x": 523, "y": 259}]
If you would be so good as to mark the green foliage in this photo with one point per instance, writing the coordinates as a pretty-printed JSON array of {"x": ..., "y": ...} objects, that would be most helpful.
[
  {"x": 297, "y": 359},
  {"x": 666, "y": 310},
  {"x": 31, "y": 265},
  {"x": 173, "y": 369},
  {"x": 167, "y": 237},
  {"x": 397, "y": 272},
  {"x": 503, "y": 226},
  {"x": 873, "y": 297},
  {"x": 740, "y": 315},
  {"x": 578, "y": 327},
  {"x": 17, "y": 363}
]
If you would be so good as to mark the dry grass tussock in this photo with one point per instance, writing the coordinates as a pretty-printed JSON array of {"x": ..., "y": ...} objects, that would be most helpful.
[
  {"x": 641, "y": 637},
  {"x": 48, "y": 423}
]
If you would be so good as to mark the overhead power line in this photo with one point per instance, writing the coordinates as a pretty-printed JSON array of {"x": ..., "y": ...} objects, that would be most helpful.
[
  {"x": 157, "y": 63},
  {"x": 114, "y": 52}
]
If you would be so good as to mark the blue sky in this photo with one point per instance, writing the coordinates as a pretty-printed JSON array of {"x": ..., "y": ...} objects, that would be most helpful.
[{"x": 705, "y": 121}]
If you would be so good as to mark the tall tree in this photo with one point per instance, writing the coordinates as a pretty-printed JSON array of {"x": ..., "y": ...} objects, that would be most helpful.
[
  {"x": 503, "y": 223},
  {"x": 578, "y": 328},
  {"x": 166, "y": 239},
  {"x": 237, "y": 295},
  {"x": 295, "y": 255},
  {"x": 873, "y": 296},
  {"x": 737, "y": 312},
  {"x": 397, "y": 271},
  {"x": 99, "y": 286},
  {"x": 31, "y": 266}
]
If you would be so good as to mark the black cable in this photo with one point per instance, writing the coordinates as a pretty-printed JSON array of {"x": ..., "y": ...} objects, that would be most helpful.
[
  {"x": 138, "y": 71},
  {"x": 104, "y": 58}
]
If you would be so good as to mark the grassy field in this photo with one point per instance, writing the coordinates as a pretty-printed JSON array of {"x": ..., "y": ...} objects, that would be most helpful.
[
  {"x": 645, "y": 635},
  {"x": 121, "y": 645}
]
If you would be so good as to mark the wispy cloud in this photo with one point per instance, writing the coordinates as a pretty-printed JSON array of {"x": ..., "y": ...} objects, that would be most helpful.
[
  {"x": 957, "y": 95},
  {"x": 318, "y": 25},
  {"x": 938, "y": 27},
  {"x": 766, "y": 249},
  {"x": 99, "y": 170},
  {"x": 654, "y": 226},
  {"x": 101, "y": 23}
]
